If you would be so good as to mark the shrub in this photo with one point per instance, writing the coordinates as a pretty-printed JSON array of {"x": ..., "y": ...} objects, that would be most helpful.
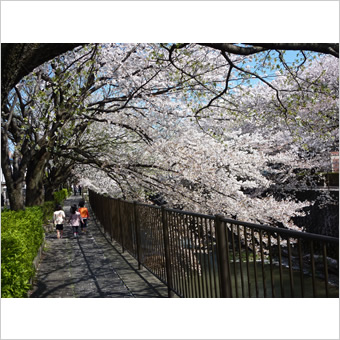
[
  {"x": 60, "y": 196},
  {"x": 47, "y": 210},
  {"x": 21, "y": 237}
]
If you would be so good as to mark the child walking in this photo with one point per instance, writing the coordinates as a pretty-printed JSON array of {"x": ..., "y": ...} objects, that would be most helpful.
[
  {"x": 84, "y": 213},
  {"x": 59, "y": 219},
  {"x": 75, "y": 219}
]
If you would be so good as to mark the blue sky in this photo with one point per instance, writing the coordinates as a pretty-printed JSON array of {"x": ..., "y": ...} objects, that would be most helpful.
[{"x": 290, "y": 57}]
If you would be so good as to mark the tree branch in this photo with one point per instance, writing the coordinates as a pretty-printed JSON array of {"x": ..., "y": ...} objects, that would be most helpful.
[{"x": 249, "y": 49}]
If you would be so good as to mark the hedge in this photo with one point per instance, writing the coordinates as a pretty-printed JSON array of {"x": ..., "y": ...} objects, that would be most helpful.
[
  {"x": 48, "y": 208},
  {"x": 60, "y": 196},
  {"x": 21, "y": 236}
]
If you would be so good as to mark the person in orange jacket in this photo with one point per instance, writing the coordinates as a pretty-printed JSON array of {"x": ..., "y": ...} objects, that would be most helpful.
[{"x": 84, "y": 213}]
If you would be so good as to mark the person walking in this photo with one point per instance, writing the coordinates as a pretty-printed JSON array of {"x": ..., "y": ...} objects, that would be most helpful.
[
  {"x": 75, "y": 219},
  {"x": 84, "y": 213},
  {"x": 59, "y": 219}
]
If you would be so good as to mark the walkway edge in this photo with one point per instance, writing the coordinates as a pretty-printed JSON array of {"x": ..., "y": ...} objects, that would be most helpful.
[
  {"x": 140, "y": 282},
  {"x": 36, "y": 262}
]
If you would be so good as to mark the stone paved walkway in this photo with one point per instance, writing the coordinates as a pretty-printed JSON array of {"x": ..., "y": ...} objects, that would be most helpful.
[{"x": 90, "y": 266}]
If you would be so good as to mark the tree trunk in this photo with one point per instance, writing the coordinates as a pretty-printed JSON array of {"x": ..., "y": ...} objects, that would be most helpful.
[
  {"x": 35, "y": 179},
  {"x": 14, "y": 189},
  {"x": 15, "y": 184},
  {"x": 14, "y": 175},
  {"x": 34, "y": 191},
  {"x": 57, "y": 178},
  {"x": 15, "y": 195},
  {"x": 49, "y": 193}
]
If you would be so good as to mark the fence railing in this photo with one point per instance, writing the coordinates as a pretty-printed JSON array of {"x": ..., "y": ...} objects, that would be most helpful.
[{"x": 198, "y": 255}]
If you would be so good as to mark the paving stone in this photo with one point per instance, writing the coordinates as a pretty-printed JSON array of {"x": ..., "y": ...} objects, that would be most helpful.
[{"x": 90, "y": 266}]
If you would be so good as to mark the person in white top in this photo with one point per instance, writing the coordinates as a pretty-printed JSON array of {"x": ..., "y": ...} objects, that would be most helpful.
[{"x": 59, "y": 219}]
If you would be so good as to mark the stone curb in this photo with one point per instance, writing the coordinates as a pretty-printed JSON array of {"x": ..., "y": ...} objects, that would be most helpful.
[{"x": 36, "y": 261}]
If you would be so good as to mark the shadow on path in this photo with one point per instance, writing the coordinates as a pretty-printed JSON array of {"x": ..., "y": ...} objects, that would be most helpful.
[{"x": 76, "y": 267}]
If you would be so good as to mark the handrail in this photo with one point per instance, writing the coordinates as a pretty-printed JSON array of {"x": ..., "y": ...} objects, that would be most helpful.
[
  {"x": 198, "y": 255},
  {"x": 299, "y": 234}
]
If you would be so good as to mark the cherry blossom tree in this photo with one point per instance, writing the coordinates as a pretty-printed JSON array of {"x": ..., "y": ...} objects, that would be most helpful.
[
  {"x": 227, "y": 160},
  {"x": 47, "y": 113},
  {"x": 174, "y": 119},
  {"x": 196, "y": 172},
  {"x": 38, "y": 112}
]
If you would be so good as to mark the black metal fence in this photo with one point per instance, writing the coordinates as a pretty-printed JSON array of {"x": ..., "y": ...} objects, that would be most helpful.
[{"x": 199, "y": 255}]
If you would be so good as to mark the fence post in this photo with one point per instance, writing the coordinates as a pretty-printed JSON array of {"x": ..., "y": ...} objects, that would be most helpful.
[
  {"x": 120, "y": 225},
  {"x": 222, "y": 249},
  {"x": 137, "y": 230},
  {"x": 167, "y": 252},
  {"x": 111, "y": 213}
]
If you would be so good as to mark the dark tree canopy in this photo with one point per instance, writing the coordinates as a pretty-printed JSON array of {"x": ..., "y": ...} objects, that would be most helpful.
[
  {"x": 18, "y": 60},
  {"x": 248, "y": 49}
]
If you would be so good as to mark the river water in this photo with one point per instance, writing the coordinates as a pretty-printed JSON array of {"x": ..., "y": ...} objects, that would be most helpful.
[{"x": 255, "y": 281}]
